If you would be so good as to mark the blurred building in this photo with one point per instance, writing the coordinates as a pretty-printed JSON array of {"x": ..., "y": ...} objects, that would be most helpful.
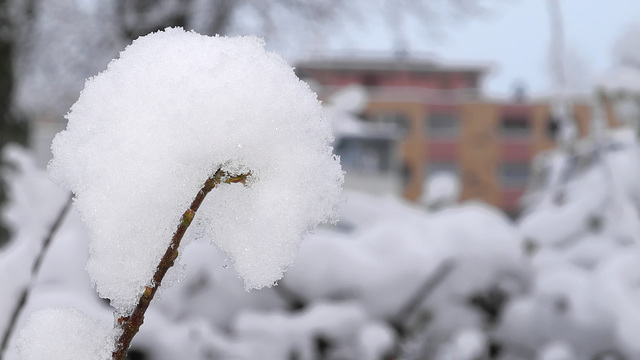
[{"x": 446, "y": 124}]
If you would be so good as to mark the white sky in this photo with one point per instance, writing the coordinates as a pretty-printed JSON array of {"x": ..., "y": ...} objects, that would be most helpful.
[{"x": 514, "y": 38}]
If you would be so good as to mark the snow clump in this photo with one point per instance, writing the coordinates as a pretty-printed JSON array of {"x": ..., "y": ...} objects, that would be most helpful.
[
  {"x": 174, "y": 108},
  {"x": 60, "y": 334}
]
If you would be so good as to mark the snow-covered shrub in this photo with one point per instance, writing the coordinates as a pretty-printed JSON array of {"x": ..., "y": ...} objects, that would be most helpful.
[{"x": 584, "y": 247}]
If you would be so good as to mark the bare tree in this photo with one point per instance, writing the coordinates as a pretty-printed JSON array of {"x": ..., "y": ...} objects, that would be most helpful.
[
  {"x": 139, "y": 17},
  {"x": 63, "y": 42}
]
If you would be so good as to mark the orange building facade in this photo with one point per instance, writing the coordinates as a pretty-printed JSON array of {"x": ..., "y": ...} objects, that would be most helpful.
[{"x": 447, "y": 124}]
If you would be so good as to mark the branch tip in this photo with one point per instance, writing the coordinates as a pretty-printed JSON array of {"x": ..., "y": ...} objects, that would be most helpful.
[{"x": 131, "y": 324}]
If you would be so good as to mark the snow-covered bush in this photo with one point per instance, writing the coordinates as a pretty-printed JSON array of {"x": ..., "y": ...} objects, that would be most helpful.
[
  {"x": 351, "y": 285},
  {"x": 571, "y": 296},
  {"x": 582, "y": 228}
]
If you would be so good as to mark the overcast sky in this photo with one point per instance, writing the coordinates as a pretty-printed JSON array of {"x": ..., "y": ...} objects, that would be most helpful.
[{"x": 514, "y": 38}]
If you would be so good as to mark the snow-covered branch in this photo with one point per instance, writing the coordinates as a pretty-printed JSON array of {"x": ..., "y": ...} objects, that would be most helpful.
[
  {"x": 130, "y": 323},
  {"x": 178, "y": 110}
]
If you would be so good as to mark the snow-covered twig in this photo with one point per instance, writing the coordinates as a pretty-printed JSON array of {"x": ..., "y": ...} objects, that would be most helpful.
[
  {"x": 221, "y": 109},
  {"x": 24, "y": 297},
  {"x": 131, "y": 323},
  {"x": 427, "y": 288}
]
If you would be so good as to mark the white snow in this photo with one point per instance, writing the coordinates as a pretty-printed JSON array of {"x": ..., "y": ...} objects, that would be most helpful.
[
  {"x": 340, "y": 326},
  {"x": 352, "y": 99},
  {"x": 606, "y": 190},
  {"x": 29, "y": 218},
  {"x": 375, "y": 341},
  {"x": 172, "y": 109},
  {"x": 585, "y": 273},
  {"x": 468, "y": 344},
  {"x": 556, "y": 351},
  {"x": 442, "y": 189},
  {"x": 57, "y": 334}
]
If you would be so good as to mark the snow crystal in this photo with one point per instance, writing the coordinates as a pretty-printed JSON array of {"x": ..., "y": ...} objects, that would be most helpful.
[
  {"x": 176, "y": 106},
  {"x": 53, "y": 334}
]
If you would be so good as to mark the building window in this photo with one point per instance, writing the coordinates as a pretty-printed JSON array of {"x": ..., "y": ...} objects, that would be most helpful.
[
  {"x": 365, "y": 154},
  {"x": 399, "y": 120},
  {"x": 445, "y": 81},
  {"x": 371, "y": 79},
  {"x": 422, "y": 75},
  {"x": 472, "y": 80},
  {"x": 443, "y": 124},
  {"x": 519, "y": 126},
  {"x": 514, "y": 174}
]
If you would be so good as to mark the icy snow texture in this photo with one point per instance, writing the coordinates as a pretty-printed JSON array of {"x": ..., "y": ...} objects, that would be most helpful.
[
  {"x": 145, "y": 135},
  {"x": 53, "y": 334}
]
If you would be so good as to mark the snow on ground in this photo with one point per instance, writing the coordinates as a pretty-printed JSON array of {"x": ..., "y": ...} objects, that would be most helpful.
[{"x": 63, "y": 332}]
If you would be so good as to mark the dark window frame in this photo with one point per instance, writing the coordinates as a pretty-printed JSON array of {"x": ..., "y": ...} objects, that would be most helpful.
[
  {"x": 357, "y": 153},
  {"x": 435, "y": 119},
  {"x": 515, "y": 126},
  {"x": 513, "y": 173}
]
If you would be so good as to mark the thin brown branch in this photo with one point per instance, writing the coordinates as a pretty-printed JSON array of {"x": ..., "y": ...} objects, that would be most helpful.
[
  {"x": 35, "y": 269},
  {"x": 131, "y": 324}
]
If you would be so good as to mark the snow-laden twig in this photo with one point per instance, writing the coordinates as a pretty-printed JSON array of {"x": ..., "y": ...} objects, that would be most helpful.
[
  {"x": 427, "y": 288},
  {"x": 35, "y": 269},
  {"x": 411, "y": 306},
  {"x": 130, "y": 324},
  {"x": 175, "y": 111}
]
